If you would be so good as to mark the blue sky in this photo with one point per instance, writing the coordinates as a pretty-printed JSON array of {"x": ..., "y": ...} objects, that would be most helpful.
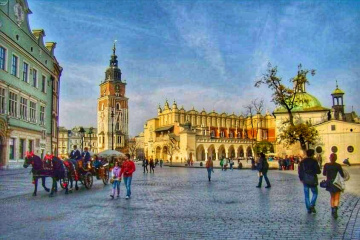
[{"x": 205, "y": 54}]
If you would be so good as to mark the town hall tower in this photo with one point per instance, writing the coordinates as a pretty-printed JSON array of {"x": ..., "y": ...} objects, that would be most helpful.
[{"x": 112, "y": 109}]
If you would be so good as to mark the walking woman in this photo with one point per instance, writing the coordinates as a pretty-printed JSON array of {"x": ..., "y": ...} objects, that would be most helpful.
[
  {"x": 330, "y": 171},
  {"x": 209, "y": 166}
]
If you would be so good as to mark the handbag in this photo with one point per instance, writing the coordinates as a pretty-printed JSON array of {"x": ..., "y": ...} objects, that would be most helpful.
[
  {"x": 324, "y": 183},
  {"x": 309, "y": 179},
  {"x": 339, "y": 182}
]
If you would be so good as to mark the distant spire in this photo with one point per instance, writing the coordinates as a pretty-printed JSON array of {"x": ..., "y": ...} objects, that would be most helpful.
[
  {"x": 337, "y": 84},
  {"x": 114, "y": 48}
]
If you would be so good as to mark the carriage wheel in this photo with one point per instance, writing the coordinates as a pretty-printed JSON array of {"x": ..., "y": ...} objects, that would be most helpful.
[
  {"x": 88, "y": 180},
  {"x": 64, "y": 182},
  {"x": 106, "y": 176}
]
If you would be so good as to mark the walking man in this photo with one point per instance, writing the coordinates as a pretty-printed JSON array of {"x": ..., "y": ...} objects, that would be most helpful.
[
  {"x": 308, "y": 170},
  {"x": 145, "y": 164},
  {"x": 263, "y": 167},
  {"x": 152, "y": 165},
  {"x": 127, "y": 169},
  {"x": 209, "y": 166}
]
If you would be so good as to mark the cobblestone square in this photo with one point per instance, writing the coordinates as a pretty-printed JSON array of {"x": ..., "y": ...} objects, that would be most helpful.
[{"x": 178, "y": 203}]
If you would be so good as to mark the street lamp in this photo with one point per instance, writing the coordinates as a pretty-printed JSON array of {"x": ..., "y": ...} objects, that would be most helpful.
[
  {"x": 82, "y": 133},
  {"x": 69, "y": 135},
  {"x": 90, "y": 132},
  {"x": 112, "y": 128}
]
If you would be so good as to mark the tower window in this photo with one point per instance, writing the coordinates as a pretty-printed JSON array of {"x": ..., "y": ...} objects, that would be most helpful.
[{"x": 333, "y": 127}]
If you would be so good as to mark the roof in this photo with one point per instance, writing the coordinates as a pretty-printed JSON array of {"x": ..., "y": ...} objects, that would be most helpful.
[
  {"x": 304, "y": 102},
  {"x": 164, "y": 128},
  {"x": 338, "y": 91}
]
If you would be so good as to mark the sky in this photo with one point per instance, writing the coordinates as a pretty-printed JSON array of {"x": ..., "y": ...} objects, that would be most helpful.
[{"x": 202, "y": 54}]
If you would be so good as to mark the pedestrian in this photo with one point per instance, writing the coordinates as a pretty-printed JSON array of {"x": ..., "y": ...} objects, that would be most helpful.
[
  {"x": 308, "y": 170},
  {"x": 127, "y": 168},
  {"x": 152, "y": 165},
  {"x": 115, "y": 180},
  {"x": 209, "y": 166},
  {"x": 161, "y": 163},
  {"x": 330, "y": 171},
  {"x": 263, "y": 167},
  {"x": 231, "y": 164},
  {"x": 319, "y": 159},
  {"x": 145, "y": 164},
  {"x": 222, "y": 164}
]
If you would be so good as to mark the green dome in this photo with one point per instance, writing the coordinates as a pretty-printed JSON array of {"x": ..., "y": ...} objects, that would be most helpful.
[{"x": 304, "y": 102}]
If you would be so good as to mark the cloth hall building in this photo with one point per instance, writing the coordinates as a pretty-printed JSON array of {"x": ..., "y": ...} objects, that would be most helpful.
[{"x": 178, "y": 135}]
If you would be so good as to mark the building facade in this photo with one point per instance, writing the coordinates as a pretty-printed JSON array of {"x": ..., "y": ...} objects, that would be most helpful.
[
  {"x": 29, "y": 87},
  {"x": 112, "y": 109},
  {"x": 178, "y": 135},
  {"x": 79, "y": 136},
  {"x": 339, "y": 132}
]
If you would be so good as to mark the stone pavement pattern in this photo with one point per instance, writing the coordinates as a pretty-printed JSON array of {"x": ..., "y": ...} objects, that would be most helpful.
[{"x": 178, "y": 203}]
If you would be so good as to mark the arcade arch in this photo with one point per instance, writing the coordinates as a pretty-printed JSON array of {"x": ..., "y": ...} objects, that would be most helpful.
[{"x": 200, "y": 153}]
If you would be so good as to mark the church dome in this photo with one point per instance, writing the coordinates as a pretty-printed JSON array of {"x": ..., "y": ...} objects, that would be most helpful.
[
  {"x": 304, "y": 102},
  {"x": 337, "y": 91}
]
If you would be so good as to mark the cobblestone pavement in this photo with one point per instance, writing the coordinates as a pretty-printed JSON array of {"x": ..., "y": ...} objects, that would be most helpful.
[{"x": 178, "y": 203}]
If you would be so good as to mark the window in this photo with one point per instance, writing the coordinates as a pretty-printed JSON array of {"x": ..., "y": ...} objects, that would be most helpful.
[
  {"x": 22, "y": 149},
  {"x": 42, "y": 115},
  {"x": 350, "y": 149},
  {"x": 2, "y": 58},
  {"x": 25, "y": 72},
  {"x": 34, "y": 74},
  {"x": 32, "y": 111},
  {"x": 23, "y": 108},
  {"x": 14, "y": 65},
  {"x": 31, "y": 145},
  {"x": 333, "y": 127},
  {"x": 118, "y": 139},
  {"x": 12, "y": 148},
  {"x": 2, "y": 100},
  {"x": 43, "y": 84},
  {"x": 12, "y": 104}
]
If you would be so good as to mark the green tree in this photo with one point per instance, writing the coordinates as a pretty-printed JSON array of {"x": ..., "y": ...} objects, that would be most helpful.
[{"x": 284, "y": 96}]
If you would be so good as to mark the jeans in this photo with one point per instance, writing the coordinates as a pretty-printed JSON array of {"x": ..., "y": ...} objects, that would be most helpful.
[
  {"x": 127, "y": 181},
  {"x": 314, "y": 191},
  {"x": 209, "y": 170},
  {"x": 116, "y": 185},
  {"x": 266, "y": 180}
]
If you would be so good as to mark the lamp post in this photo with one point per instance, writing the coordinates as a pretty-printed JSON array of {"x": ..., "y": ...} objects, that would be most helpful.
[
  {"x": 82, "y": 133},
  {"x": 90, "y": 132},
  {"x": 112, "y": 128},
  {"x": 69, "y": 135}
]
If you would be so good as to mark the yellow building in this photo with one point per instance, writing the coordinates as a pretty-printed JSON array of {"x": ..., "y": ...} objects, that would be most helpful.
[
  {"x": 339, "y": 132},
  {"x": 178, "y": 135}
]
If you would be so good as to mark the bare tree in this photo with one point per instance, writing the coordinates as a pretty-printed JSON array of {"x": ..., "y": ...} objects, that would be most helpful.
[
  {"x": 255, "y": 107},
  {"x": 172, "y": 146},
  {"x": 133, "y": 147},
  {"x": 287, "y": 97}
]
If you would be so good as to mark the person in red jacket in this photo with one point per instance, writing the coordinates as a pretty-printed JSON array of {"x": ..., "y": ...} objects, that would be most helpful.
[{"x": 127, "y": 168}]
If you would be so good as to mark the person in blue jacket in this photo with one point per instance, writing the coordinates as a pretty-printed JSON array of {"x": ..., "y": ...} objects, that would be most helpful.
[
  {"x": 75, "y": 154},
  {"x": 86, "y": 157}
]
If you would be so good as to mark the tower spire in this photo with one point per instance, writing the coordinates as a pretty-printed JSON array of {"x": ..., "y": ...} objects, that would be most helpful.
[{"x": 114, "y": 47}]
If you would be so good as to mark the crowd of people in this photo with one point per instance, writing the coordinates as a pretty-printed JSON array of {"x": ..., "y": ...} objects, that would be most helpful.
[{"x": 308, "y": 168}]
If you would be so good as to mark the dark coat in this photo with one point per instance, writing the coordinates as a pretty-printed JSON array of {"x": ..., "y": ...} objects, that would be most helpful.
[
  {"x": 75, "y": 154},
  {"x": 263, "y": 165},
  {"x": 330, "y": 171},
  {"x": 310, "y": 166}
]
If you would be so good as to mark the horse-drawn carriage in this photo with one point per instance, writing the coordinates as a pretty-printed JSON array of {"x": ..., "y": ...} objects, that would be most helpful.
[{"x": 85, "y": 174}]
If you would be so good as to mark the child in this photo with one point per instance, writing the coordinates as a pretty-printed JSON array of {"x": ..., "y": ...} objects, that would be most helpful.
[{"x": 115, "y": 180}]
